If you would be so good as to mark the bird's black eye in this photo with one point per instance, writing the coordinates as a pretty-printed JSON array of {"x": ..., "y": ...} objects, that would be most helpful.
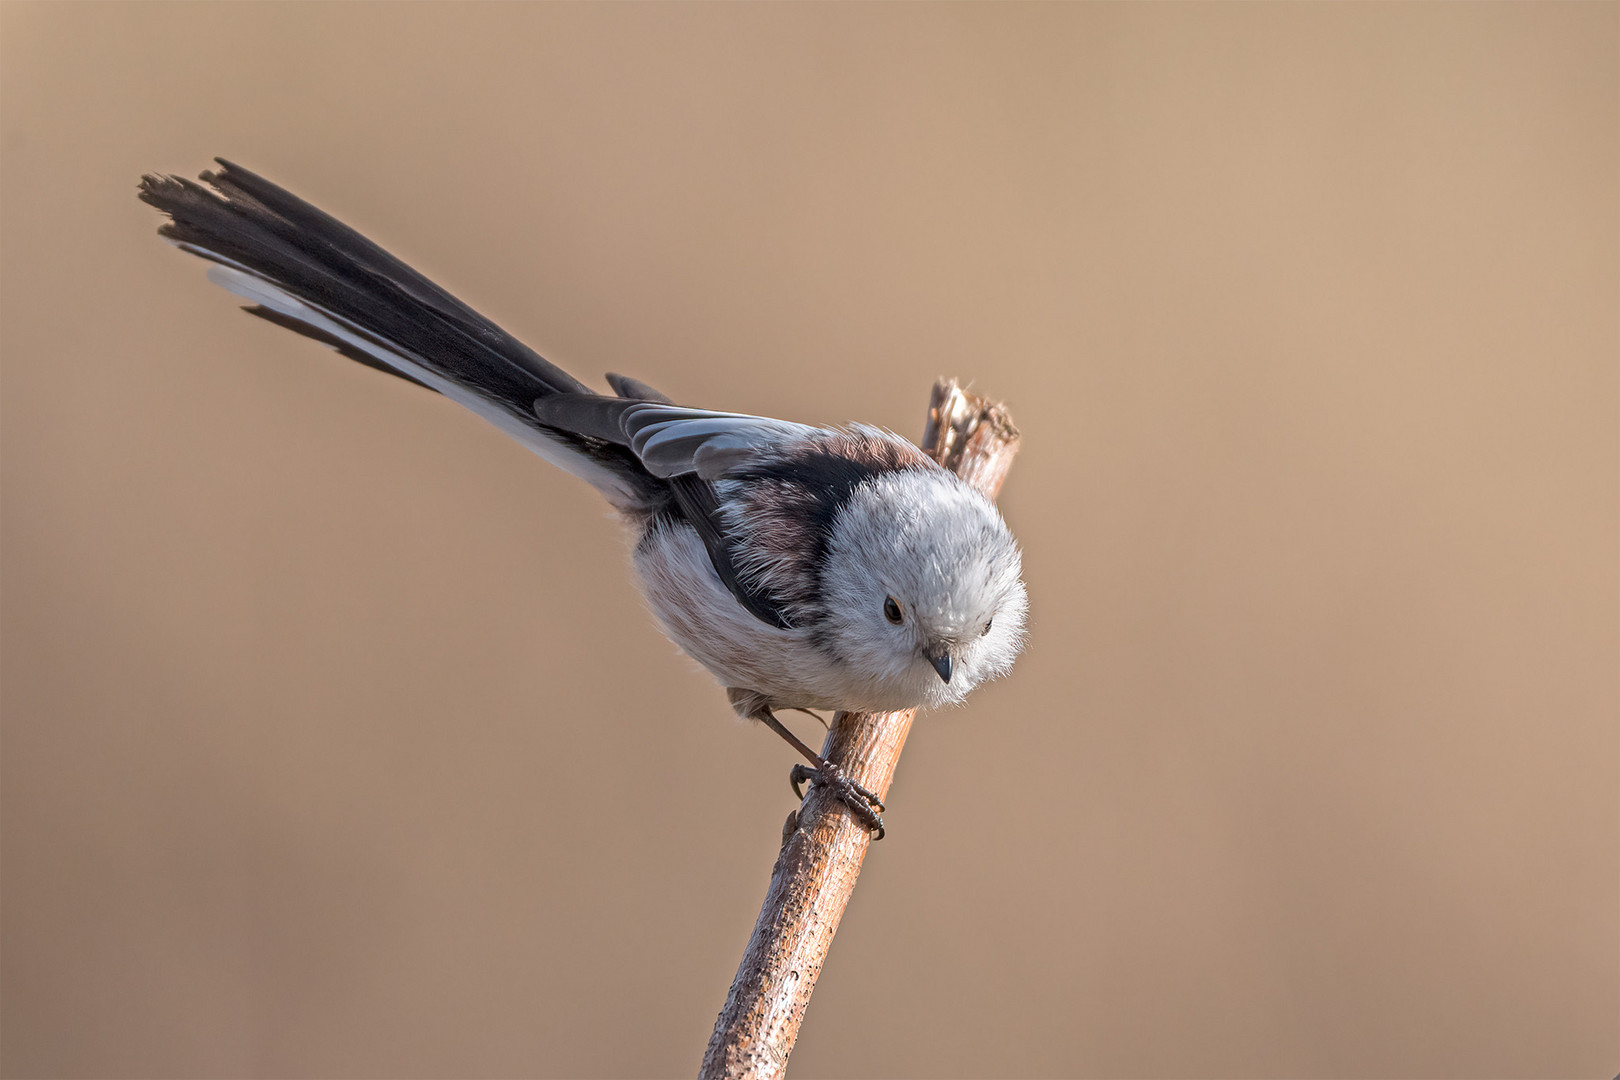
[
  {"x": 987, "y": 625},
  {"x": 891, "y": 611}
]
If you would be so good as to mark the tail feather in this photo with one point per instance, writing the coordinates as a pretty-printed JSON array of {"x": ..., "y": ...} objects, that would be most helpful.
[
  {"x": 626, "y": 387},
  {"x": 332, "y": 341},
  {"x": 306, "y": 271}
]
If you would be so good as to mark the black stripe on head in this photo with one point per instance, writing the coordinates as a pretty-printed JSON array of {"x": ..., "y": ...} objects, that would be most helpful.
[{"x": 785, "y": 506}]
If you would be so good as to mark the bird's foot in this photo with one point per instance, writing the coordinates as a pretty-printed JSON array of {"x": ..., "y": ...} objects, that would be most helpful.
[{"x": 861, "y": 802}]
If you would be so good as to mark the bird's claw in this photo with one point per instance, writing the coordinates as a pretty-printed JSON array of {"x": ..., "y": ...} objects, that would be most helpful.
[
  {"x": 836, "y": 778},
  {"x": 862, "y": 803}
]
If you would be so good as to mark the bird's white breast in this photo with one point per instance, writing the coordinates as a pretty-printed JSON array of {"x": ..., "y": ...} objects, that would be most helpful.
[{"x": 699, "y": 614}]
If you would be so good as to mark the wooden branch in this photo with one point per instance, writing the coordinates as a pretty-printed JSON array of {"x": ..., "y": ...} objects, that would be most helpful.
[{"x": 822, "y": 843}]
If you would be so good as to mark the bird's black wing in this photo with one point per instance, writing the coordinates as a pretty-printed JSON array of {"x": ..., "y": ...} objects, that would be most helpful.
[{"x": 691, "y": 448}]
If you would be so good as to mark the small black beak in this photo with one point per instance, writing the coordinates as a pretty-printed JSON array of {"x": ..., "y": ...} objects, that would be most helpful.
[{"x": 942, "y": 664}]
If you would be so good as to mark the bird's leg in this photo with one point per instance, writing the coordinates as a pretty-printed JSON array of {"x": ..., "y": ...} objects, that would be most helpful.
[
  {"x": 821, "y": 764},
  {"x": 861, "y": 802}
]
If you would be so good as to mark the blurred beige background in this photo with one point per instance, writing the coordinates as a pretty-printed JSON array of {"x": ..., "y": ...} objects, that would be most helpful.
[{"x": 337, "y": 743}]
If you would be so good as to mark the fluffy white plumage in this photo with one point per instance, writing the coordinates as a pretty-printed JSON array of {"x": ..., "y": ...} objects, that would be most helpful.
[
  {"x": 919, "y": 537},
  {"x": 943, "y": 553}
]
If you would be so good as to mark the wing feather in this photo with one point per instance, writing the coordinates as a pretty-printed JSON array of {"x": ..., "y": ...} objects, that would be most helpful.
[{"x": 670, "y": 440}]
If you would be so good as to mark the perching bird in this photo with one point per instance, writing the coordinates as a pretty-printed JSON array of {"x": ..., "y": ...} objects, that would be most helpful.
[{"x": 805, "y": 567}]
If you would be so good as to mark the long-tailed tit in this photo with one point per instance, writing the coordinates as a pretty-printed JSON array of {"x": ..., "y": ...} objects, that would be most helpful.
[{"x": 805, "y": 567}]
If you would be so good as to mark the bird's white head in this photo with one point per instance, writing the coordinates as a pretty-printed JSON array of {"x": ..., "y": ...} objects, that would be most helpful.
[{"x": 921, "y": 595}]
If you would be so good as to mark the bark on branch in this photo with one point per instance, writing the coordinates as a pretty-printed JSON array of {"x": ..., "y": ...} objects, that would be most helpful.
[{"x": 822, "y": 844}]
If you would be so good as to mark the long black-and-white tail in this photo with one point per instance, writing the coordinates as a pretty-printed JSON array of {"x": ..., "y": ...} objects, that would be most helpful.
[{"x": 307, "y": 271}]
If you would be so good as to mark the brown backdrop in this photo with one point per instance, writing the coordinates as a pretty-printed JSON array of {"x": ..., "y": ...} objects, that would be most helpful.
[{"x": 336, "y": 739}]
